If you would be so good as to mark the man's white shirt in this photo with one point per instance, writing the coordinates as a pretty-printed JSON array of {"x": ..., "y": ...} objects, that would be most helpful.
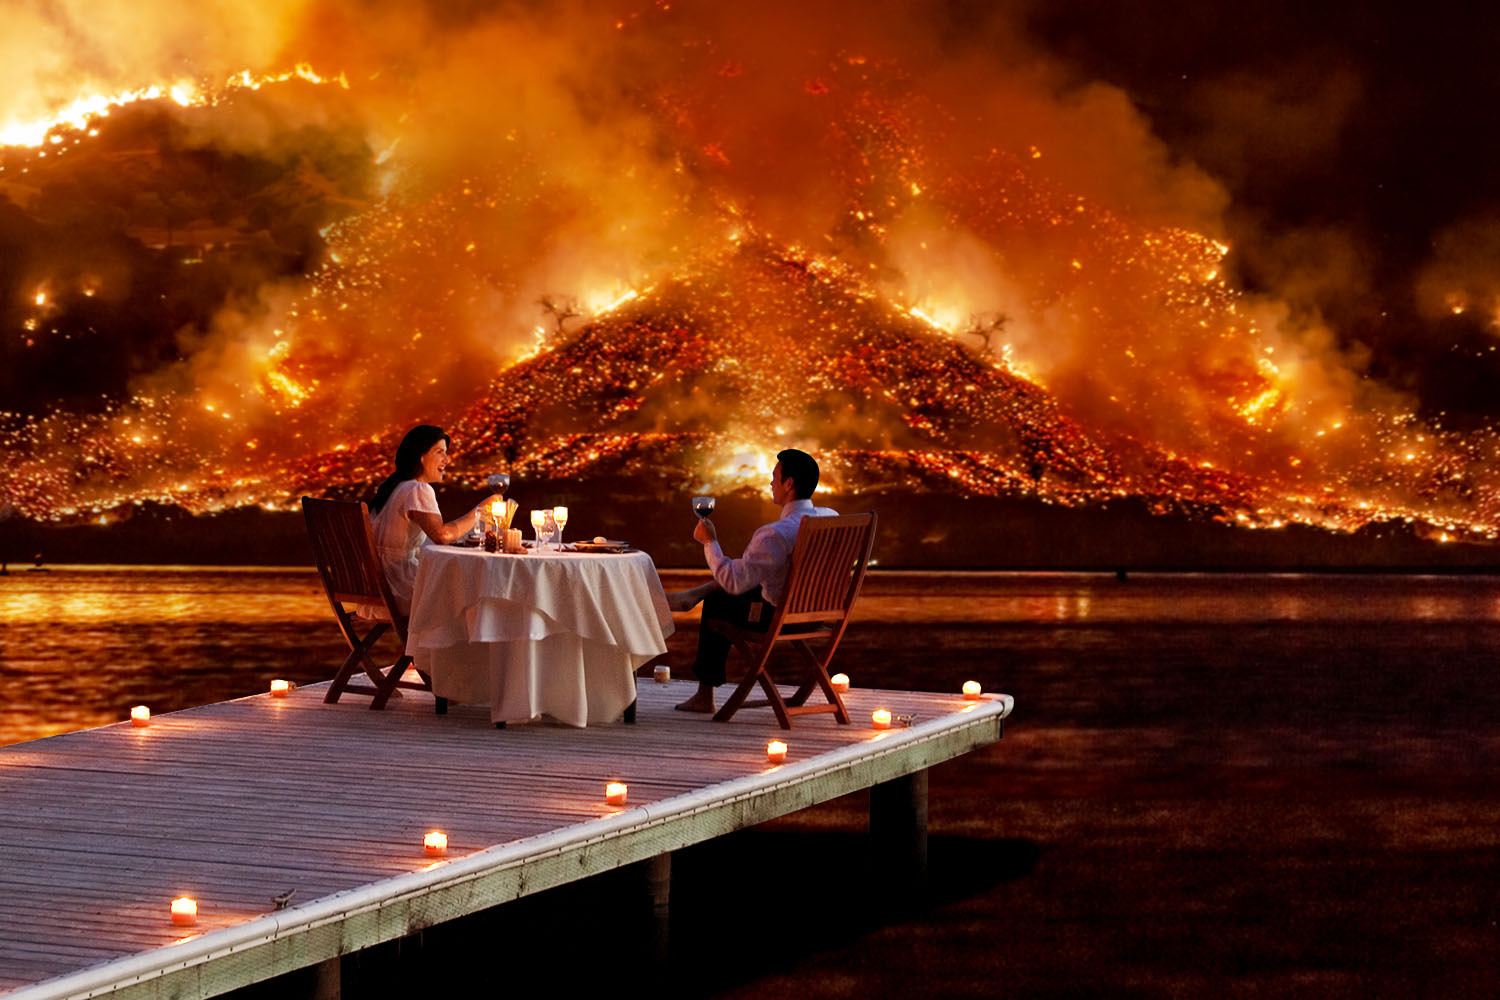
[{"x": 768, "y": 557}]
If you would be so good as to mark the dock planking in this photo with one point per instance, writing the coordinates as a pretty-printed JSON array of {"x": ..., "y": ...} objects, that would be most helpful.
[{"x": 237, "y": 802}]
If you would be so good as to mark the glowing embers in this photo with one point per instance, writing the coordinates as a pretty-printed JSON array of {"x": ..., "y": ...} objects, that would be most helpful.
[{"x": 715, "y": 355}]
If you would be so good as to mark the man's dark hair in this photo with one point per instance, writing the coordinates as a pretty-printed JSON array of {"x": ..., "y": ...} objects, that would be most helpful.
[{"x": 799, "y": 467}]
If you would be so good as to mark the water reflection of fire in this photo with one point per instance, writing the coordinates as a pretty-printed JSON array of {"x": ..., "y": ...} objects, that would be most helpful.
[{"x": 963, "y": 324}]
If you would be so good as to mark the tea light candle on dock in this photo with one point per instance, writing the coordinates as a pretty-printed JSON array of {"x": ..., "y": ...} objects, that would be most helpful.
[
  {"x": 280, "y": 688},
  {"x": 614, "y": 793},
  {"x": 140, "y": 716},
  {"x": 881, "y": 718},
  {"x": 662, "y": 674},
  {"x": 435, "y": 844},
  {"x": 184, "y": 911},
  {"x": 972, "y": 690},
  {"x": 840, "y": 682},
  {"x": 776, "y": 752}
]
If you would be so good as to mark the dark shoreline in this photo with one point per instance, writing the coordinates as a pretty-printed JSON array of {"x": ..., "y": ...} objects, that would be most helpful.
[{"x": 934, "y": 533}]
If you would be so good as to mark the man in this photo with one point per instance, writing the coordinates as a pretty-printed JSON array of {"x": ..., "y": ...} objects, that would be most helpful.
[{"x": 746, "y": 590}]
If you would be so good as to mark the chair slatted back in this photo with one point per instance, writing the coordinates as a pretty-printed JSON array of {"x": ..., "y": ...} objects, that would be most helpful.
[
  {"x": 827, "y": 570},
  {"x": 828, "y": 566},
  {"x": 344, "y": 546}
]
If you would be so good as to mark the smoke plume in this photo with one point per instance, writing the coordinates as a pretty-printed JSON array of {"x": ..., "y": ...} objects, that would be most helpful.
[{"x": 520, "y": 167}]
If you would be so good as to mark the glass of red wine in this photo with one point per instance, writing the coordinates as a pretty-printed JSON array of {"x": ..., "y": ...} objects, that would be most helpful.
[{"x": 703, "y": 506}]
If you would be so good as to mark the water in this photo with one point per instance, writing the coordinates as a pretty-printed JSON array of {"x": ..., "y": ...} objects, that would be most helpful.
[
  {"x": 1269, "y": 786},
  {"x": 81, "y": 644}
]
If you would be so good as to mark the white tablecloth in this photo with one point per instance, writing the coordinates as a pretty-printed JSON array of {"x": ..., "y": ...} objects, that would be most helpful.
[{"x": 559, "y": 634}]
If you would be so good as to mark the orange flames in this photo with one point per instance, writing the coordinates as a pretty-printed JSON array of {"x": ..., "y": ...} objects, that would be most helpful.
[
  {"x": 82, "y": 112},
  {"x": 615, "y": 177}
]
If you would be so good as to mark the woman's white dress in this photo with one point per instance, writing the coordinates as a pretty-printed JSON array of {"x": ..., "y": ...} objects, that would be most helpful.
[{"x": 398, "y": 539}]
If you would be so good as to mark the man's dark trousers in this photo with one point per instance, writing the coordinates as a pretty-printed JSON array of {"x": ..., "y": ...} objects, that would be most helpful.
[{"x": 746, "y": 610}]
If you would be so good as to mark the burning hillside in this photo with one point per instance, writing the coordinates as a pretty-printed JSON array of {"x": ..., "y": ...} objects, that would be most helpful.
[
  {"x": 686, "y": 385},
  {"x": 657, "y": 246}
]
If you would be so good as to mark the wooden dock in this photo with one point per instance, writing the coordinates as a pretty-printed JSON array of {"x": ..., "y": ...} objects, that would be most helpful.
[{"x": 238, "y": 802}]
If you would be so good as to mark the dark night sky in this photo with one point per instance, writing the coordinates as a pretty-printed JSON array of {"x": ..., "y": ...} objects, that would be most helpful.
[
  {"x": 1357, "y": 142},
  {"x": 1402, "y": 140}
]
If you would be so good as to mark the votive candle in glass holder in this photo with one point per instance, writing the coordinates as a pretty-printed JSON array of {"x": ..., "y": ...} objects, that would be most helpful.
[
  {"x": 840, "y": 683},
  {"x": 184, "y": 911},
  {"x": 972, "y": 690},
  {"x": 280, "y": 689},
  {"x": 435, "y": 844},
  {"x": 614, "y": 793},
  {"x": 880, "y": 718},
  {"x": 776, "y": 752},
  {"x": 140, "y": 716}
]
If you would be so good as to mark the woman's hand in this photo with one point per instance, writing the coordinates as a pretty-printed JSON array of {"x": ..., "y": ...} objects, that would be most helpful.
[
  {"x": 432, "y": 525},
  {"x": 484, "y": 504}
]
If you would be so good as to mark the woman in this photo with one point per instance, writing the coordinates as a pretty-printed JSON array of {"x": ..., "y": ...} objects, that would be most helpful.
[{"x": 405, "y": 509}]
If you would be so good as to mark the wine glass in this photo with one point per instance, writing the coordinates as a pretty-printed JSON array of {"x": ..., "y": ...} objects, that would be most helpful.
[
  {"x": 499, "y": 482},
  {"x": 539, "y": 525},
  {"x": 549, "y": 525},
  {"x": 703, "y": 506},
  {"x": 560, "y": 515}
]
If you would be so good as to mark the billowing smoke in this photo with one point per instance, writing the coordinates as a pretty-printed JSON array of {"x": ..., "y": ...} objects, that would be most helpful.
[{"x": 520, "y": 166}]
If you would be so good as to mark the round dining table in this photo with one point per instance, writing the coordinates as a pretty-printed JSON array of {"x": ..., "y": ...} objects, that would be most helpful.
[{"x": 554, "y": 634}]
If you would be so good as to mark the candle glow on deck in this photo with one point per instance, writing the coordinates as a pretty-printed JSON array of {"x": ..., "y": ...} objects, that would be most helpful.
[{"x": 184, "y": 911}]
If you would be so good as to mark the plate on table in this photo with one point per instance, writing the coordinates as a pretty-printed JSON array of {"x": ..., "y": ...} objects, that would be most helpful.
[{"x": 608, "y": 545}]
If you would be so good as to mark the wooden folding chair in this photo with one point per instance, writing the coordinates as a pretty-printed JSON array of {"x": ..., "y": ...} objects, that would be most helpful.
[
  {"x": 827, "y": 570},
  {"x": 344, "y": 547}
]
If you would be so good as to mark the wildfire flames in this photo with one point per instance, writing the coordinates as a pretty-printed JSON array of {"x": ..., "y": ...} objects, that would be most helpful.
[
  {"x": 747, "y": 250},
  {"x": 81, "y": 114}
]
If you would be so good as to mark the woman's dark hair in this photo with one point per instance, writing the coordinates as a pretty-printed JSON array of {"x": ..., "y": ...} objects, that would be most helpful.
[
  {"x": 418, "y": 441},
  {"x": 799, "y": 467}
]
